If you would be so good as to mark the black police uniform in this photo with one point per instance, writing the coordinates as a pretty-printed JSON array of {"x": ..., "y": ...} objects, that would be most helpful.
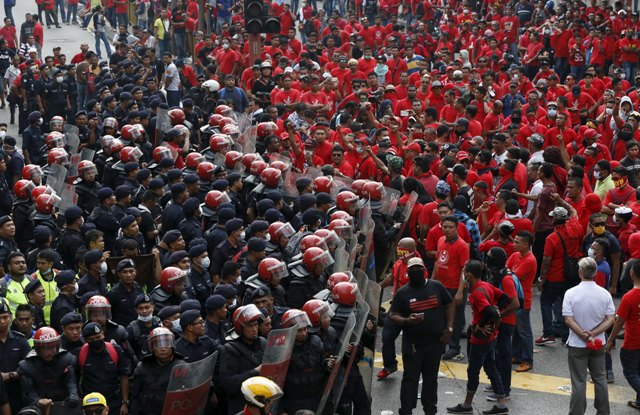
[
  {"x": 215, "y": 236},
  {"x": 100, "y": 373},
  {"x": 142, "y": 246},
  {"x": 199, "y": 286},
  {"x": 6, "y": 201},
  {"x": 216, "y": 332},
  {"x": 45, "y": 219},
  {"x": 104, "y": 220},
  {"x": 306, "y": 376},
  {"x": 24, "y": 227},
  {"x": 89, "y": 283},
  {"x": 248, "y": 268},
  {"x": 172, "y": 216},
  {"x": 224, "y": 252},
  {"x": 87, "y": 195},
  {"x": 71, "y": 347},
  {"x": 150, "y": 381},
  {"x": 138, "y": 333},
  {"x": 49, "y": 380},
  {"x": 190, "y": 229},
  {"x": 119, "y": 211},
  {"x": 162, "y": 298},
  {"x": 238, "y": 364},
  {"x": 194, "y": 352},
  {"x": 62, "y": 305},
  {"x": 12, "y": 351},
  {"x": 302, "y": 287},
  {"x": 57, "y": 93},
  {"x": 122, "y": 301},
  {"x": 68, "y": 244},
  {"x": 6, "y": 247}
]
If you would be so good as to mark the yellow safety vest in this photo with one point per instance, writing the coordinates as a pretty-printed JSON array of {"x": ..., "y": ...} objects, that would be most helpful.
[
  {"x": 50, "y": 292},
  {"x": 13, "y": 292}
]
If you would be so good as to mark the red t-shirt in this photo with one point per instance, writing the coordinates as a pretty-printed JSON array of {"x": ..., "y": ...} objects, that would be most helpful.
[
  {"x": 482, "y": 295},
  {"x": 450, "y": 258},
  {"x": 629, "y": 310},
  {"x": 571, "y": 233},
  {"x": 525, "y": 269}
]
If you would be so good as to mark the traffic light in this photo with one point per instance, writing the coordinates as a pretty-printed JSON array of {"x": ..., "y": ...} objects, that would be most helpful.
[{"x": 257, "y": 20}]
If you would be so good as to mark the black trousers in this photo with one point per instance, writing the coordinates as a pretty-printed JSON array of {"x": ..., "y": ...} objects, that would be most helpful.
[{"x": 420, "y": 359}]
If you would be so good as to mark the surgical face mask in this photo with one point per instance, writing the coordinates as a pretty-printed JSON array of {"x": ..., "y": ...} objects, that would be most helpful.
[
  {"x": 243, "y": 235},
  {"x": 75, "y": 289},
  {"x": 145, "y": 319},
  {"x": 225, "y": 46},
  {"x": 591, "y": 253},
  {"x": 552, "y": 113},
  {"x": 609, "y": 111},
  {"x": 176, "y": 325},
  {"x": 359, "y": 149},
  {"x": 622, "y": 76},
  {"x": 598, "y": 230},
  {"x": 205, "y": 263},
  {"x": 59, "y": 79},
  {"x": 40, "y": 121},
  {"x": 516, "y": 76},
  {"x": 33, "y": 68},
  {"x": 597, "y": 175},
  {"x": 187, "y": 270},
  {"x": 103, "y": 268}
]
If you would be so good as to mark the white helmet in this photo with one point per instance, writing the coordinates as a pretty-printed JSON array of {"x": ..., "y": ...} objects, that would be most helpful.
[
  {"x": 259, "y": 390},
  {"x": 212, "y": 85}
]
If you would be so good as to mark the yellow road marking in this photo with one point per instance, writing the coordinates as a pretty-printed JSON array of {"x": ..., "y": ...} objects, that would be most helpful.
[{"x": 528, "y": 381}]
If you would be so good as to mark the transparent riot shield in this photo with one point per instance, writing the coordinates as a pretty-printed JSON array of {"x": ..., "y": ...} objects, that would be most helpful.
[
  {"x": 188, "y": 389},
  {"x": 74, "y": 161},
  {"x": 341, "y": 258},
  {"x": 56, "y": 177},
  {"x": 247, "y": 139},
  {"x": 68, "y": 197},
  {"x": 87, "y": 154},
  {"x": 362, "y": 314},
  {"x": 390, "y": 200},
  {"x": 72, "y": 138},
  {"x": 163, "y": 124},
  {"x": 362, "y": 280},
  {"x": 337, "y": 369},
  {"x": 277, "y": 354},
  {"x": 372, "y": 297},
  {"x": 402, "y": 216}
]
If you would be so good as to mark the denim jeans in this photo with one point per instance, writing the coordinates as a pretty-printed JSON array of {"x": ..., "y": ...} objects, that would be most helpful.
[
  {"x": 102, "y": 36},
  {"x": 181, "y": 44},
  {"x": 60, "y": 5},
  {"x": 164, "y": 45},
  {"x": 629, "y": 70},
  {"x": 8, "y": 12},
  {"x": 552, "y": 323},
  {"x": 82, "y": 93},
  {"x": 477, "y": 359},
  {"x": 123, "y": 19},
  {"x": 459, "y": 321},
  {"x": 578, "y": 71},
  {"x": 111, "y": 16},
  {"x": 522, "y": 344},
  {"x": 562, "y": 68},
  {"x": 630, "y": 360},
  {"x": 72, "y": 13},
  {"x": 173, "y": 98},
  {"x": 390, "y": 332},
  {"x": 502, "y": 356}
]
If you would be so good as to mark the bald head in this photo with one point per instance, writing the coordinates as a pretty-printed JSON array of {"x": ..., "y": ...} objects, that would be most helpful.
[{"x": 407, "y": 243}]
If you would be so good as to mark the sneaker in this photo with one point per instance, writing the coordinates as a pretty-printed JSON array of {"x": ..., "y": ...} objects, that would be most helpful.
[
  {"x": 543, "y": 341},
  {"x": 524, "y": 367},
  {"x": 450, "y": 354},
  {"x": 459, "y": 409},
  {"x": 610, "y": 377},
  {"x": 384, "y": 373},
  {"x": 494, "y": 397},
  {"x": 496, "y": 411}
]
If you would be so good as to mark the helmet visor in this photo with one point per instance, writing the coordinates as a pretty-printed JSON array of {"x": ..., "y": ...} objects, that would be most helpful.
[
  {"x": 91, "y": 169},
  {"x": 332, "y": 239},
  {"x": 323, "y": 259},
  {"x": 160, "y": 341},
  {"x": 135, "y": 154},
  {"x": 301, "y": 320},
  {"x": 36, "y": 172},
  {"x": 279, "y": 270},
  {"x": 164, "y": 153},
  {"x": 324, "y": 311},
  {"x": 223, "y": 198},
  {"x": 286, "y": 231}
]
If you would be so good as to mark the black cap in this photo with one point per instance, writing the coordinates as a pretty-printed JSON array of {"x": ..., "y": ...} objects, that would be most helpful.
[
  {"x": 215, "y": 302},
  {"x": 71, "y": 318},
  {"x": 142, "y": 298},
  {"x": 4, "y": 219},
  {"x": 72, "y": 213},
  {"x": 63, "y": 278},
  {"x": 125, "y": 263},
  {"x": 178, "y": 256},
  {"x": 168, "y": 311},
  {"x": 188, "y": 317},
  {"x": 197, "y": 250},
  {"x": 105, "y": 193},
  {"x": 190, "y": 304},
  {"x": 93, "y": 256},
  {"x": 91, "y": 329},
  {"x": 226, "y": 290},
  {"x": 256, "y": 245},
  {"x": 233, "y": 225},
  {"x": 127, "y": 220},
  {"x": 4, "y": 307},
  {"x": 172, "y": 236},
  {"x": 32, "y": 286},
  {"x": 122, "y": 192},
  {"x": 261, "y": 292}
]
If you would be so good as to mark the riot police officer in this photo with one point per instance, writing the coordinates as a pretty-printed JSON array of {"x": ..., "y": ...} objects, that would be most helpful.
[
  {"x": 151, "y": 377},
  {"x": 139, "y": 329},
  {"x": 70, "y": 240},
  {"x": 242, "y": 354},
  {"x": 307, "y": 276},
  {"x": 170, "y": 291},
  {"x": 320, "y": 314},
  {"x": 87, "y": 187},
  {"x": 66, "y": 301},
  {"x": 47, "y": 374},
  {"x": 123, "y": 295},
  {"x": 199, "y": 285}
]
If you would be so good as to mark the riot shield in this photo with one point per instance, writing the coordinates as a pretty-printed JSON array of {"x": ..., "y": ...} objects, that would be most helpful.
[
  {"x": 341, "y": 258},
  {"x": 362, "y": 279},
  {"x": 277, "y": 354},
  {"x": 372, "y": 298},
  {"x": 390, "y": 200},
  {"x": 289, "y": 188},
  {"x": 366, "y": 240},
  {"x": 188, "y": 389},
  {"x": 362, "y": 314},
  {"x": 341, "y": 347},
  {"x": 87, "y": 154},
  {"x": 247, "y": 139},
  {"x": 74, "y": 161},
  {"x": 68, "y": 197},
  {"x": 402, "y": 216},
  {"x": 163, "y": 124},
  {"x": 72, "y": 138},
  {"x": 56, "y": 177},
  {"x": 243, "y": 120}
]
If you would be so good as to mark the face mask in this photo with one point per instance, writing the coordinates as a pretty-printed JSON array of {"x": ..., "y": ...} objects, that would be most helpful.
[
  {"x": 243, "y": 235},
  {"x": 625, "y": 135},
  {"x": 40, "y": 121},
  {"x": 598, "y": 230},
  {"x": 3, "y": 134},
  {"x": 591, "y": 253},
  {"x": 516, "y": 76},
  {"x": 622, "y": 76},
  {"x": 96, "y": 345},
  {"x": 145, "y": 319},
  {"x": 416, "y": 276},
  {"x": 59, "y": 79},
  {"x": 359, "y": 149},
  {"x": 33, "y": 68},
  {"x": 176, "y": 326},
  {"x": 103, "y": 268},
  {"x": 609, "y": 111},
  {"x": 205, "y": 263},
  {"x": 597, "y": 175},
  {"x": 552, "y": 113},
  {"x": 46, "y": 272},
  {"x": 612, "y": 18},
  {"x": 188, "y": 269},
  {"x": 225, "y": 46},
  {"x": 620, "y": 182},
  {"x": 75, "y": 289}
]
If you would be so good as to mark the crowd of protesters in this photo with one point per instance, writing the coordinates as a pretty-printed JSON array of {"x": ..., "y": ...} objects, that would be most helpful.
[{"x": 175, "y": 195}]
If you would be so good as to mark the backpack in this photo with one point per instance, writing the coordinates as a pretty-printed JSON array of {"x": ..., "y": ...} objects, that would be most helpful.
[
  {"x": 84, "y": 351},
  {"x": 519, "y": 290}
]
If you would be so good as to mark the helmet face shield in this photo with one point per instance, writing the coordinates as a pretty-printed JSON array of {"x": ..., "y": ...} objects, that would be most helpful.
[
  {"x": 42, "y": 347},
  {"x": 286, "y": 231},
  {"x": 161, "y": 341},
  {"x": 324, "y": 312},
  {"x": 98, "y": 312},
  {"x": 301, "y": 320},
  {"x": 279, "y": 270},
  {"x": 89, "y": 170},
  {"x": 332, "y": 239},
  {"x": 324, "y": 258},
  {"x": 224, "y": 198}
]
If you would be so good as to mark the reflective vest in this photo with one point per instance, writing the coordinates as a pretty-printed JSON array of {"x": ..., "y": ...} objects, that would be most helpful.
[{"x": 50, "y": 293}]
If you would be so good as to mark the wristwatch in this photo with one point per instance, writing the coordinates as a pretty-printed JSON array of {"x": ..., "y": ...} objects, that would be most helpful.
[{"x": 450, "y": 329}]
